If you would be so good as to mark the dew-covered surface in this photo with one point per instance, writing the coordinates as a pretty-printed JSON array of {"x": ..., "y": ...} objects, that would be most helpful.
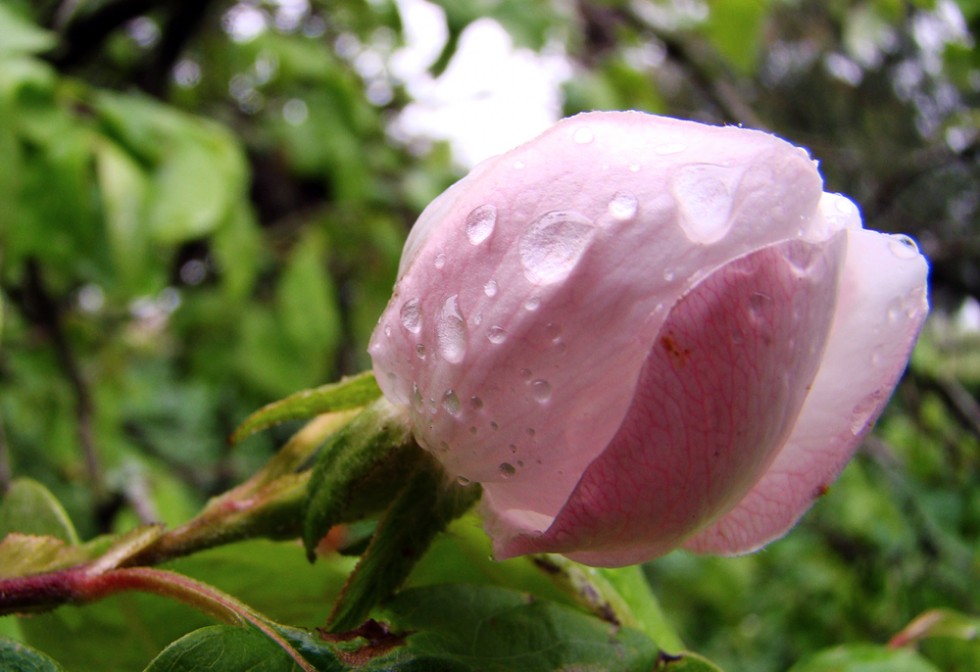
[{"x": 539, "y": 284}]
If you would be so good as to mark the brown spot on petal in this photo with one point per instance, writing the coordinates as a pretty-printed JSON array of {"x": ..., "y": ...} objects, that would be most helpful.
[
  {"x": 821, "y": 490},
  {"x": 677, "y": 354}
]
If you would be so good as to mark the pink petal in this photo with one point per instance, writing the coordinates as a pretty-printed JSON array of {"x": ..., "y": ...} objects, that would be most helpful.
[
  {"x": 717, "y": 397},
  {"x": 881, "y": 308},
  {"x": 521, "y": 384}
]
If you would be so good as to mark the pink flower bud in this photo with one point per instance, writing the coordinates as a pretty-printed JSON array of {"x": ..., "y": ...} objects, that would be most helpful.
[{"x": 639, "y": 333}]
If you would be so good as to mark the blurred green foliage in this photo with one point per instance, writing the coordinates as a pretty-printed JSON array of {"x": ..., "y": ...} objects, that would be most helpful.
[{"x": 202, "y": 206}]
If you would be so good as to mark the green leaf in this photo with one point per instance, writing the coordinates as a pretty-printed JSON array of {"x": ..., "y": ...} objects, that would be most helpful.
[
  {"x": 735, "y": 28},
  {"x": 29, "y": 508},
  {"x": 308, "y": 300},
  {"x": 350, "y": 392},
  {"x": 945, "y": 637},
  {"x": 424, "y": 508},
  {"x": 686, "y": 662},
  {"x": 499, "y": 630},
  {"x": 865, "y": 658},
  {"x": 16, "y": 657},
  {"x": 124, "y": 186},
  {"x": 20, "y": 36},
  {"x": 223, "y": 648},
  {"x": 23, "y": 554}
]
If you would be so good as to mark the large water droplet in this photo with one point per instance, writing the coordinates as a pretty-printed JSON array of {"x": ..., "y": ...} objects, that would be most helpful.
[
  {"x": 411, "y": 315},
  {"x": 507, "y": 469},
  {"x": 903, "y": 247},
  {"x": 583, "y": 136},
  {"x": 704, "y": 200},
  {"x": 451, "y": 331},
  {"x": 450, "y": 402},
  {"x": 623, "y": 206},
  {"x": 553, "y": 244},
  {"x": 541, "y": 391},
  {"x": 490, "y": 289},
  {"x": 480, "y": 223},
  {"x": 496, "y": 335}
]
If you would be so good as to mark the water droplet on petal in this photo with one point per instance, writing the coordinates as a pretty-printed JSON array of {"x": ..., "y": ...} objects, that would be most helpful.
[
  {"x": 541, "y": 391},
  {"x": 411, "y": 315},
  {"x": 634, "y": 167},
  {"x": 759, "y": 304},
  {"x": 476, "y": 403},
  {"x": 704, "y": 201},
  {"x": 862, "y": 412},
  {"x": 532, "y": 304},
  {"x": 903, "y": 247},
  {"x": 462, "y": 480},
  {"x": 553, "y": 245},
  {"x": 623, "y": 206},
  {"x": 507, "y": 469},
  {"x": 480, "y": 223},
  {"x": 552, "y": 331},
  {"x": 496, "y": 335},
  {"x": 420, "y": 351},
  {"x": 525, "y": 373},
  {"x": 450, "y": 402},
  {"x": 583, "y": 136},
  {"x": 670, "y": 148},
  {"x": 418, "y": 403},
  {"x": 440, "y": 260},
  {"x": 494, "y": 426},
  {"x": 388, "y": 330},
  {"x": 451, "y": 331},
  {"x": 490, "y": 289},
  {"x": 668, "y": 275}
]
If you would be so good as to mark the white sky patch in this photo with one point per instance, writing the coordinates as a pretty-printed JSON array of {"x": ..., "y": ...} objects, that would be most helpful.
[{"x": 492, "y": 97}]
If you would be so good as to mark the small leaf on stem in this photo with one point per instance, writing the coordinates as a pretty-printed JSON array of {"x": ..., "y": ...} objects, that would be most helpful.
[{"x": 352, "y": 392}]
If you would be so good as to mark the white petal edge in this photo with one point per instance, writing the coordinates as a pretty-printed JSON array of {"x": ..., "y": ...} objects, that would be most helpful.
[{"x": 881, "y": 308}]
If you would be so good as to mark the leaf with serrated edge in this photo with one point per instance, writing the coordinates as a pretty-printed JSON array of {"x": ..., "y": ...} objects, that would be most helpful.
[{"x": 352, "y": 392}]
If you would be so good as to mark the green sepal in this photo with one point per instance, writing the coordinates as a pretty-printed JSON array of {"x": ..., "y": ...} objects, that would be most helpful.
[
  {"x": 351, "y": 392},
  {"x": 424, "y": 507},
  {"x": 357, "y": 472}
]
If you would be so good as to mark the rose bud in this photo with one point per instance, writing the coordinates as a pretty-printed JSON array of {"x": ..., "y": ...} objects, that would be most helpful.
[{"x": 639, "y": 333}]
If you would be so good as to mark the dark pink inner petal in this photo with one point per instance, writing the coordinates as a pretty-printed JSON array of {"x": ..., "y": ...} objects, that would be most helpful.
[{"x": 718, "y": 395}]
